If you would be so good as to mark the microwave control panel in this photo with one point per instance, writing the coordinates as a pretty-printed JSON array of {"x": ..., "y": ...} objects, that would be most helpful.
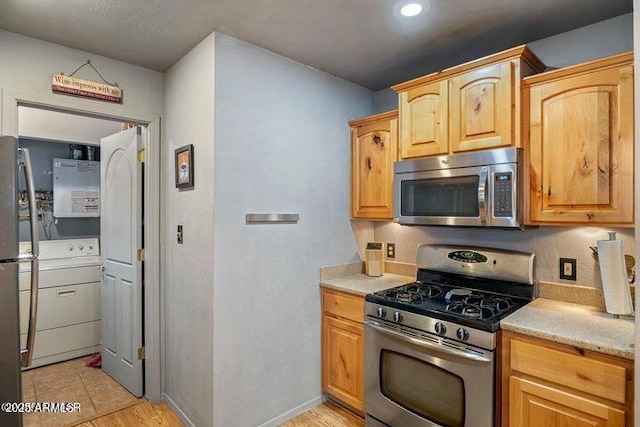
[{"x": 503, "y": 194}]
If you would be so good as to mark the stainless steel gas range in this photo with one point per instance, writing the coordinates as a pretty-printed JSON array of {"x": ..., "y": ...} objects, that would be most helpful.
[{"x": 430, "y": 345}]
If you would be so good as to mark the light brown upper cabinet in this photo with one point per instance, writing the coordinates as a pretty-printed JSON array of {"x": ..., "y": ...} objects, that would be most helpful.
[
  {"x": 374, "y": 148},
  {"x": 423, "y": 114},
  {"x": 482, "y": 108},
  {"x": 581, "y": 143},
  {"x": 472, "y": 106}
]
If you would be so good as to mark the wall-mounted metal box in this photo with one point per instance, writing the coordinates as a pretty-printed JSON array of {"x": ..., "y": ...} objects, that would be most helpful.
[{"x": 76, "y": 188}]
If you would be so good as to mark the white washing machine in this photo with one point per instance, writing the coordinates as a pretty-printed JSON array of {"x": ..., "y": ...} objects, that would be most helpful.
[{"x": 68, "y": 320}]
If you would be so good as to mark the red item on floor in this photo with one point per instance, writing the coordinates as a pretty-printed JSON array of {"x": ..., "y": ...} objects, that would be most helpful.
[{"x": 95, "y": 360}]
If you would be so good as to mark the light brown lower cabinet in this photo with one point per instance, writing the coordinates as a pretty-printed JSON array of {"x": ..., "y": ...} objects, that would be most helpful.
[
  {"x": 546, "y": 384},
  {"x": 343, "y": 348}
]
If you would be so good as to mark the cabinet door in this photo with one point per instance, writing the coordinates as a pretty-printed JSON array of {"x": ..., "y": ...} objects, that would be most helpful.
[
  {"x": 374, "y": 150},
  {"x": 581, "y": 142},
  {"x": 342, "y": 361},
  {"x": 482, "y": 108},
  {"x": 537, "y": 405},
  {"x": 423, "y": 120}
]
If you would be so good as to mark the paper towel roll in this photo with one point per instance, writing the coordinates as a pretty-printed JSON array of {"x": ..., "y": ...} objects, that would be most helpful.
[{"x": 615, "y": 283}]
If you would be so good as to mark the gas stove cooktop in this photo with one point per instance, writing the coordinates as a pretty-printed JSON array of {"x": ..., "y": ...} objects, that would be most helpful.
[
  {"x": 473, "y": 307},
  {"x": 474, "y": 287}
]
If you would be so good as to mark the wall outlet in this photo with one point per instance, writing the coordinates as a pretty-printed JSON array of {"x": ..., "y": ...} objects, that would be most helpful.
[
  {"x": 568, "y": 268},
  {"x": 391, "y": 250}
]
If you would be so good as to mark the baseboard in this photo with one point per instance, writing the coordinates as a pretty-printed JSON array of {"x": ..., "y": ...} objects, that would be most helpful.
[
  {"x": 183, "y": 417},
  {"x": 281, "y": 419}
]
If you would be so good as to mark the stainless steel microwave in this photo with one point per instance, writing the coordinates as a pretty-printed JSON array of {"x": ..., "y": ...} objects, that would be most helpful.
[{"x": 476, "y": 189}]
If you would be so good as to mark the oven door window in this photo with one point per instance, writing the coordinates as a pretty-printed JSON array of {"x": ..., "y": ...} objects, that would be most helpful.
[
  {"x": 424, "y": 389},
  {"x": 442, "y": 197}
]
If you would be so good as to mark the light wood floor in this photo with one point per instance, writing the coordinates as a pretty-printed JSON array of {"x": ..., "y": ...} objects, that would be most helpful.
[
  {"x": 326, "y": 415},
  {"x": 160, "y": 415},
  {"x": 72, "y": 381},
  {"x": 141, "y": 415}
]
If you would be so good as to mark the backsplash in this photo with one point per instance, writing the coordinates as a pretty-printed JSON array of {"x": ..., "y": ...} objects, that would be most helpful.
[{"x": 548, "y": 243}]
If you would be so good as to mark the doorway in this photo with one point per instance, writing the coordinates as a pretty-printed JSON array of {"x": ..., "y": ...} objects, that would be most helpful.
[
  {"x": 78, "y": 207},
  {"x": 12, "y": 99}
]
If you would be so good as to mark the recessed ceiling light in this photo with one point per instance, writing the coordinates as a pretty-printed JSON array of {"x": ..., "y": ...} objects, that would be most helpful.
[{"x": 411, "y": 9}]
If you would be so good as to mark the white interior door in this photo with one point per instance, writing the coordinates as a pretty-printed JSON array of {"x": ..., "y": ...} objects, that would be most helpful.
[{"x": 121, "y": 237}]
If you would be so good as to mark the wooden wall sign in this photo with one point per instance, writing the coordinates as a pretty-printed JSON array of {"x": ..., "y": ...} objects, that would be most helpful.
[{"x": 61, "y": 83}]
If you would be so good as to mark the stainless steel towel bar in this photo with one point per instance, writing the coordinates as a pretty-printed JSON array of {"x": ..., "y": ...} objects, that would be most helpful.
[{"x": 272, "y": 218}]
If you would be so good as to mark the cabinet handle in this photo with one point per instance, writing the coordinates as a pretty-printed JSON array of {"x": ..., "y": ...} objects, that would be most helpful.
[
  {"x": 67, "y": 293},
  {"x": 549, "y": 191}
]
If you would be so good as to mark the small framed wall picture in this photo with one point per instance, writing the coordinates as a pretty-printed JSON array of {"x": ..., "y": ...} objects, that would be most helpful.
[{"x": 184, "y": 167}]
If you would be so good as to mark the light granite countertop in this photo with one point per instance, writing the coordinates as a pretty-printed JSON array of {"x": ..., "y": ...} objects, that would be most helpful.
[
  {"x": 574, "y": 324},
  {"x": 361, "y": 284},
  {"x": 584, "y": 326},
  {"x": 350, "y": 278}
]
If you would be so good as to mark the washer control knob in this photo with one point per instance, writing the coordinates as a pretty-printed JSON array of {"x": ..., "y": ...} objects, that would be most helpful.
[
  {"x": 397, "y": 316},
  {"x": 440, "y": 328},
  {"x": 381, "y": 312},
  {"x": 462, "y": 334}
]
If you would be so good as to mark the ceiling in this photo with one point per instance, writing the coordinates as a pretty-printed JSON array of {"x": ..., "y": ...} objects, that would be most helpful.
[{"x": 364, "y": 41}]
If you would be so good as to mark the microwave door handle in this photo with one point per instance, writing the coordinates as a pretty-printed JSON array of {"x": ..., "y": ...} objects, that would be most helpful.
[
  {"x": 27, "y": 354},
  {"x": 426, "y": 344},
  {"x": 482, "y": 195}
]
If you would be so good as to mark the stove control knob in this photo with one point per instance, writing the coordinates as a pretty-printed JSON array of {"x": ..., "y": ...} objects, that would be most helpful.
[
  {"x": 381, "y": 312},
  {"x": 440, "y": 328},
  {"x": 397, "y": 317},
  {"x": 462, "y": 334}
]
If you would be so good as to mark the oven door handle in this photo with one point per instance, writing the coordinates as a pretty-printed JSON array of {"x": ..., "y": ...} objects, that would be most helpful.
[{"x": 460, "y": 353}]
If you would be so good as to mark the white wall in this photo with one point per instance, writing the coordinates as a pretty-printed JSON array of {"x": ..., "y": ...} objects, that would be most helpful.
[
  {"x": 188, "y": 268},
  {"x": 548, "y": 243},
  {"x": 385, "y": 100},
  {"x": 281, "y": 145},
  {"x": 25, "y": 74},
  {"x": 28, "y": 63},
  {"x": 597, "y": 40},
  {"x": 37, "y": 123}
]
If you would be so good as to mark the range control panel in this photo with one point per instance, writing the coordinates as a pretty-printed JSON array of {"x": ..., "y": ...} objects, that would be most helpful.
[{"x": 467, "y": 256}]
